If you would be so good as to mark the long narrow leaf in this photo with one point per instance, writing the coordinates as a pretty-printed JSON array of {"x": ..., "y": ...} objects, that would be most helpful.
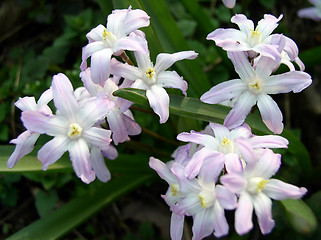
[{"x": 66, "y": 218}]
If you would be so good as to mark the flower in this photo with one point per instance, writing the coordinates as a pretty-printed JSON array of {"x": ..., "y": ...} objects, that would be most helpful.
[
  {"x": 311, "y": 12},
  {"x": 120, "y": 119},
  {"x": 25, "y": 141},
  {"x": 153, "y": 79},
  {"x": 256, "y": 40},
  {"x": 256, "y": 188},
  {"x": 73, "y": 130},
  {"x": 253, "y": 87},
  {"x": 104, "y": 42}
]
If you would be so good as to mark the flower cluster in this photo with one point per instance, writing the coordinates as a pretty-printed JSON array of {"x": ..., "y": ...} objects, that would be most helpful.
[
  {"x": 89, "y": 118},
  {"x": 226, "y": 167}
]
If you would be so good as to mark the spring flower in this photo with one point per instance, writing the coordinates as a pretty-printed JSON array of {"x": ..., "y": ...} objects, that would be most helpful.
[
  {"x": 153, "y": 78},
  {"x": 113, "y": 39},
  {"x": 311, "y": 12},
  {"x": 120, "y": 118},
  {"x": 256, "y": 188},
  {"x": 72, "y": 128},
  {"x": 248, "y": 38},
  {"x": 253, "y": 88},
  {"x": 25, "y": 141},
  {"x": 222, "y": 141}
]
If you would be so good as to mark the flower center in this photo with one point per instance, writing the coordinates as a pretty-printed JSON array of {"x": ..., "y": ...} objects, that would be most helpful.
[
  {"x": 207, "y": 198},
  {"x": 109, "y": 38},
  {"x": 255, "y": 37},
  {"x": 227, "y": 146},
  {"x": 150, "y": 77},
  {"x": 257, "y": 184},
  {"x": 174, "y": 189},
  {"x": 261, "y": 185},
  {"x": 75, "y": 130},
  {"x": 256, "y": 86}
]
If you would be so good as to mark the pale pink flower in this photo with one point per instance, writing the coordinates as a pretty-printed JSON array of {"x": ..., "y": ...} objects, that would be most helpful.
[
  {"x": 25, "y": 141},
  {"x": 229, "y": 3},
  {"x": 256, "y": 188},
  {"x": 113, "y": 39},
  {"x": 73, "y": 130},
  {"x": 153, "y": 78},
  {"x": 253, "y": 87}
]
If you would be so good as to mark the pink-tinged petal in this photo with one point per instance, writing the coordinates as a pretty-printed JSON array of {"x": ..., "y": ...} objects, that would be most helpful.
[
  {"x": 268, "y": 164},
  {"x": 267, "y": 25},
  {"x": 269, "y": 141},
  {"x": 162, "y": 170},
  {"x": 263, "y": 210},
  {"x": 53, "y": 150},
  {"x": 226, "y": 198},
  {"x": 88, "y": 51},
  {"x": 93, "y": 88},
  {"x": 221, "y": 35},
  {"x": 99, "y": 165},
  {"x": 140, "y": 84},
  {"x": 244, "y": 24},
  {"x": 188, "y": 206},
  {"x": 132, "y": 127},
  {"x": 310, "y": 12},
  {"x": 117, "y": 126},
  {"x": 220, "y": 223},
  {"x": 111, "y": 153},
  {"x": 99, "y": 137},
  {"x": 143, "y": 60},
  {"x": 242, "y": 65},
  {"x": 247, "y": 152},
  {"x": 132, "y": 43},
  {"x": 27, "y": 104},
  {"x": 166, "y": 60},
  {"x": 124, "y": 70},
  {"x": 100, "y": 65},
  {"x": 295, "y": 81},
  {"x": 240, "y": 110},
  {"x": 220, "y": 131},
  {"x": 234, "y": 182},
  {"x": 63, "y": 94},
  {"x": 270, "y": 113},
  {"x": 171, "y": 79},
  {"x": 233, "y": 163},
  {"x": 24, "y": 145},
  {"x": 224, "y": 91},
  {"x": 159, "y": 101},
  {"x": 243, "y": 131},
  {"x": 40, "y": 123},
  {"x": 199, "y": 138},
  {"x": 203, "y": 223},
  {"x": 265, "y": 66},
  {"x": 116, "y": 19},
  {"x": 278, "y": 190},
  {"x": 291, "y": 48},
  {"x": 270, "y": 51},
  {"x": 93, "y": 111},
  {"x": 229, "y": 3},
  {"x": 80, "y": 158},
  {"x": 177, "y": 226},
  {"x": 45, "y": 97},
  {"x": 243, "y": 214},
  {"x": 212, "y": 166},
  {"x": 298, "y": 61},
  {"x": 186, "y": 185},
  {"x": 96, "y": 34}
]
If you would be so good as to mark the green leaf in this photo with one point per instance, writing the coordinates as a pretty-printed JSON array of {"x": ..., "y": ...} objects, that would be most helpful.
[
  {"x": 70, "y": 215},
  {"x": 45, "y": 201},
  {"x": 300, "y": 215}
]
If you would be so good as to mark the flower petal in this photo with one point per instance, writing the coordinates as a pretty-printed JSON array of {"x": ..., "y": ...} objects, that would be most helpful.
[
  {"x": 80, "y": 158},
  {"x": 243, "y": 214},
  {"x": 234, "y": 182},
  {"x": 96, "y": 34},
  {"x": 88, "y": 51},
  {"x": 125, "y": 70},
  {"x": 233, "y": 163},
  {"x": 99, "y": 137},
  {"x": 166, "y": 60},
  {"x": 52, "y": 151},
  {"x": 203, "y": 223},
  {"x": 242, "y": 65},
  {"x": 270, "y": 112},
  {"x": 220, "y": 223},
  {"x": 162, "y": 170},
  {"x": 177, "y": 226},
  {"x": 240, "y": 110},
  {"x": 230, "y": 39},
  {"x": 224, "y": 91},
  {"x": 159, "y": 101},
  {"x": 310, "y": 12},
  {"x": 199, "y": 138},
  {"x": 212, "y": 166},
  {"x": 267, "y": 25},
  {"x": 226, "y": 198},
  {"x": 263, "y": 210},
  {"x": 100, "y": 65},
  {"x": 171, "y": 79},
  {"x": 99, "y": 165},
  {"x": 117, "y": 126},
  {"x": 229, "y": 3},
  {"x": 267, "y": 165},
  {"x": 278, "y": 190},
  {"x": 244, "y": 24},
  {"x": 269, "y": 141}
]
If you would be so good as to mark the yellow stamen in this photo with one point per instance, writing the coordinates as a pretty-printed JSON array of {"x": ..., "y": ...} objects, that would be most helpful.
[
  {"x": 202, "y": 201},
  {"x": 75, "y": 130},
  {"x": 150, "y": 73},
  {"x": 226, "y": 141},
  {"x": 173, "y": 190},
  {"x": 106, "y": 34},
  {"x": 261, "y": 185}
]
